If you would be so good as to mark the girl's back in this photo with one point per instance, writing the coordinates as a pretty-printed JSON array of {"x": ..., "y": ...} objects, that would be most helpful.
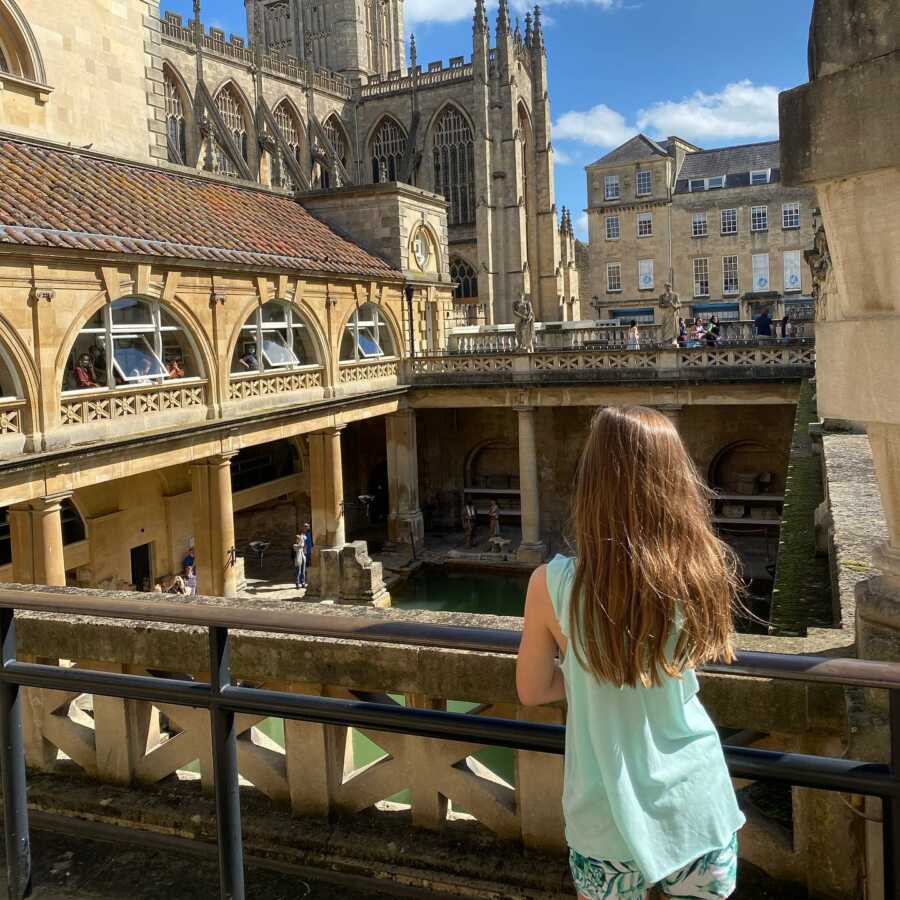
[
  {"x": 645, "y": 774},
  {"x": 647, "y": 793}
]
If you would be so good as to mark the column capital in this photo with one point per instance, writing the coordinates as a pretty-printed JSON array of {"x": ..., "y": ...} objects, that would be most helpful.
[{"x": 50, "y": 502}]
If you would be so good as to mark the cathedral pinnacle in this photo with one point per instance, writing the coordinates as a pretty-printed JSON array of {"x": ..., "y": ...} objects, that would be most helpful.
[
  {"x": 503, "y": 19},
  {"x": 480, "y": 23},
  {"x": 538, "y": 35},
  {"x": 413, "y": 53},
  {"x": 528, "y": 32},
  {"x": 517, "y": 34}
]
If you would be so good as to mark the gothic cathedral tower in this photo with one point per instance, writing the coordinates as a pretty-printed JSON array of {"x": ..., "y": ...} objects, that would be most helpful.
[{"x": 358, "y": 38}]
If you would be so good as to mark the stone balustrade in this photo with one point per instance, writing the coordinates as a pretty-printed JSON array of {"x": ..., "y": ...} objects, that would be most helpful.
[
  {"x": 374, "y": 370},
  {"x": 100, "y": 405},
  {"x": 312, "y": 771},
  {"x": 796, "y": 359},
  {"x": 11, "y": 412},
  {"x": 591, "y": 335},
  {"x": 267, "y": 384}
]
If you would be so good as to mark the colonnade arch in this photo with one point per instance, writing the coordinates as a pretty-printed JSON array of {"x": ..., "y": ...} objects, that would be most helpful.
[{"x": 369, "y": 332}]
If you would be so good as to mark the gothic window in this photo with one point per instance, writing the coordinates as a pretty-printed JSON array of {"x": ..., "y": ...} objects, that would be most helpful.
[
  {"x": 290, "y": 131},
  {"x": 129, "y": 343},
  {"x": 454, "y": 166},
  {"x": 335, "y": 135},
  {"x": 524, "y": 132},
  {"x": 464, "y": 279},
  {"x": 275, "y": 336},
  {"x": 367, "y": 335},
  {"x": 175, "y": 122},
  {"x": 231, "y": 111},
  {"x": 388, "y": 150}
]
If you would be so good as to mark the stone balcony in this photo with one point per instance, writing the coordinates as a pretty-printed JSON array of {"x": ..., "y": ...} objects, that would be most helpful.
[{"x": 769, "y": 361}]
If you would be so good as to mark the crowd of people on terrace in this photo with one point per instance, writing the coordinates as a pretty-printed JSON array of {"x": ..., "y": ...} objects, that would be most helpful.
[{"x": 700, "y": 332}]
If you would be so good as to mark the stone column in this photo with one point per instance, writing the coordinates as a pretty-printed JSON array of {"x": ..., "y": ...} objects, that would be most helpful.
[
  {"x": 531, "y": 549},
  {"x": 214, "y": 526},
  {"x": 405, "y": 516},
  {"x": 37, "y": 541},
  {"x": 326, "y": 489}
]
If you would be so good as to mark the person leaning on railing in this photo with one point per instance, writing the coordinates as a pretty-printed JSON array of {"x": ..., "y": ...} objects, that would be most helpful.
[{"x": 617, "y": 632}]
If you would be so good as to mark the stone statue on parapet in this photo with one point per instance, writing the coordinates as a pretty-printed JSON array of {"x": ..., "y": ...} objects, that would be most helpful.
[
  {"x": 670, "y": 306},
  {"x": 524, "y": 313}
]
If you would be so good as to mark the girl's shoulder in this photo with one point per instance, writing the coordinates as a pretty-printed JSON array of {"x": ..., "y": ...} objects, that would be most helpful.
[{"x": 560, "y": 573}]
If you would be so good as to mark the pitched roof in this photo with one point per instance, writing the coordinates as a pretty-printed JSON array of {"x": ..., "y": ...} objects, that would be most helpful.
[
  {"x": 637, "y": 148},
  {"x": 731, "y": 160},
  {"x": 58, "y": 197}
]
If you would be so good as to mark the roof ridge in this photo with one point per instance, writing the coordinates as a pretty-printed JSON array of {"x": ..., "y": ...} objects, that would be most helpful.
[{"x": 732, "y": 147}]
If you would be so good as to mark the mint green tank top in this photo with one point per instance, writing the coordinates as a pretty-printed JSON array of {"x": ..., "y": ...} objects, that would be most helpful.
[{"x": 645, "y": 776}]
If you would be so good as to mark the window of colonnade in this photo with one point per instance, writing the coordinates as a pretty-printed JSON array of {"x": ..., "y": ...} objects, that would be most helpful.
[
  {"x": 367, "y": 335},
  {"x": 9, "y": 384},
  {"x": 18, "y": 56},
  {"x": 276, "y": 336},
  {"x": 128, "y": 343}
]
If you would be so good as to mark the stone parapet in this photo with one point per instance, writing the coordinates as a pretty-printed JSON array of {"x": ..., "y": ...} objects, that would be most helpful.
[{"x": 314, "y": 771}]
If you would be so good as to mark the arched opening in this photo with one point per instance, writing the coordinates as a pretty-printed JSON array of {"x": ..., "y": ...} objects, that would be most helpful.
[
  {"x": 234, "y": 113},
  {"x": 177, "y": 105},
  {"x": 454, "y": 165},
  {"x": 367, "y": 335},
  {"x": 275, "y": 336},
  {"x": 388, "y": 147},
  {"x": 10, "y": 386},
  {"x": 128, "y": 343},
  {"x": 292, "y": 131},
  {"x": 745, "y": 468},
  {"x": 18, "y": 49},
  {"x": 334, "y": 131}
]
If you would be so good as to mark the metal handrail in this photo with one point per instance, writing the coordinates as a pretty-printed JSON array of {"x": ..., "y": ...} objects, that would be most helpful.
[
  {"x": 204, "y": 613},
  {"x": 224, "y": 700}
]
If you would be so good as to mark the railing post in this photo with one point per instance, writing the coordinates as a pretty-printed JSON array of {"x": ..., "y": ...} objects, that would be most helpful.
[
  {"x": 891, "y": 808},
  {"x": 225, "y": 770},
  {"x": 15, "y": 800}
]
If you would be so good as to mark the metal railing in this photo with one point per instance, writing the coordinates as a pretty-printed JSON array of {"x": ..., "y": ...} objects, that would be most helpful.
[{"x": 224, "y": 700}]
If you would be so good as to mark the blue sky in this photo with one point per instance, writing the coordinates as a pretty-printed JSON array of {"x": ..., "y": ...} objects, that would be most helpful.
[{"x": 707, "y": 70}]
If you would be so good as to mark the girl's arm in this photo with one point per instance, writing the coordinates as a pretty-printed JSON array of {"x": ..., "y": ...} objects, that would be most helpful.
[{"x": 539, "y": 678}]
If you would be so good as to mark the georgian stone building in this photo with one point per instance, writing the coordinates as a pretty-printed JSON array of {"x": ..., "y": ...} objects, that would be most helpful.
[{"x": 718, "y": 224}]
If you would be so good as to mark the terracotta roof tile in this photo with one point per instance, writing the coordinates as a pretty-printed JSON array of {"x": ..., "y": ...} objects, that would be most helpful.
[{"x": 58, "y": 197}]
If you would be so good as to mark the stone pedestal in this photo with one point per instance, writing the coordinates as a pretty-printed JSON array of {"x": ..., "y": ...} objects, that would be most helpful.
[
  {"x": 214, "y": 526},
  {"x": 405, "y": 522},
  {"x": 37, "y": 541},
  {"x": 348, "y": 575},
  {"x": 532, "y": 549}
]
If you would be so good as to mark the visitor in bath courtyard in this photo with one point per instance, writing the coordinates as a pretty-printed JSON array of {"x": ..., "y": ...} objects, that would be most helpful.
[
  {"x": 302, "y": 551},
  {"x": 647, "y": 797},
  {"x": 764, "y": 324},
  {"x": 470, "y": 516}
]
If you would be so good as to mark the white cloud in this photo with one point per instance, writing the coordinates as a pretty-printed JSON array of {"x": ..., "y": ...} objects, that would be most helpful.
[
  {"x": 581, "y": 227},
  {"x": 599, "y": 127},
  {"x": 419, "y": 11},
  {"x": 562, "y": 158},
  {"x": 741, "y": 111}
]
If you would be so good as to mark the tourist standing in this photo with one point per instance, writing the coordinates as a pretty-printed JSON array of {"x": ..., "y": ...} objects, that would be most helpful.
[
  {"x": 470, "y": 515},
  {"x": 302, "y": 550},
  {"x": 620, "y": 629},
  {"x": 494, "y": 517},
  {"x": 764, "y": 324},
  {"x": 787, "y": 328},
  {"x": 633, "y": 337},
  {"x": 712, "y": 332},
  {"x": 189, "y": 577}
]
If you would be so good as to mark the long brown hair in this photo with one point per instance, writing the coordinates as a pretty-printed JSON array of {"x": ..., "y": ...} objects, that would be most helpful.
[{"x": 648, "y": 561}]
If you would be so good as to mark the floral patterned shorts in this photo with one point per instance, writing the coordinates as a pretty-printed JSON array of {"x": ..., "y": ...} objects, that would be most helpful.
[{"x": 712, "y": 877}]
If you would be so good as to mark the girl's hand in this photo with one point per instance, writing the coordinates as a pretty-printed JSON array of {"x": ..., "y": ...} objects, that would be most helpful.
[{"x": 539, "y": 678}]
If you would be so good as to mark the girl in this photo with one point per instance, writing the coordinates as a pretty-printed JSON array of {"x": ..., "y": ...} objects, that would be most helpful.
[{"x": 647, "y": 797}]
